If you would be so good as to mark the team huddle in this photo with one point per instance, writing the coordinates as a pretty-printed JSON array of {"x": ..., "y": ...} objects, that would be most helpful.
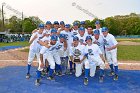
[{"x": 61, "y": 49}]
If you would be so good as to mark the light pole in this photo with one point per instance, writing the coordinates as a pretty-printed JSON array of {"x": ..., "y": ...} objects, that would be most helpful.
[{"x": 3, "y": 18}]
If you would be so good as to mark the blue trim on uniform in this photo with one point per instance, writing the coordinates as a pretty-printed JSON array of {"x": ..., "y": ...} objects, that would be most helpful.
[
  {"x": 101, "y": 72},
  {"x": 28, "y": 67},
  {"x": 38, "y": 74},
  {"x": 70, "y": 62},
  {"x": 51, "y": 72},
  {"x": 111, "y": 66},
  {"x": 116, "y": 70},
  {"x": 86, "y": 73},
  {"x": 59, "y": 67}
]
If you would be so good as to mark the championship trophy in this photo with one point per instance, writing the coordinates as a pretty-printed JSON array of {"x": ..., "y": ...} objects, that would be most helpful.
[{"x": 77, "y": 53}]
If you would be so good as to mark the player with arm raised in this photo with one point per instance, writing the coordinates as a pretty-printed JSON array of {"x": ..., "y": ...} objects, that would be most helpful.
[{"x": 34, "y": 48}]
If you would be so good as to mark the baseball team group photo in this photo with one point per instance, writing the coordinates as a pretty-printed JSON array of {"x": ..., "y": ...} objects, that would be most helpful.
[{"x": 69, "y": 50}]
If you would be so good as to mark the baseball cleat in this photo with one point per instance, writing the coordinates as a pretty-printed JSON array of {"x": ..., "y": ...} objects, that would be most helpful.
[
  {"x": 50, "y": 78},
  {"x": 28, "y": 76},
  {"x": 116, "y": 77},
  {"x": 37, "y": 82},
  {"x": 86, "y": 81},
  {"x": 59, "y": 73},
  {"x": 111, "y": 73},
  {"x": 101, "y": 79},
  {"x": 43, "y": 73}
]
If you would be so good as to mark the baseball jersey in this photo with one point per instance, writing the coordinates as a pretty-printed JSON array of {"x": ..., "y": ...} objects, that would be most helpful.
[
  {"x": 80, "y": 48},
  {"x": 35, "y": 45},
  {"x": 100, "y": 41},
  {"x": 93, "y": 50},
  {"x": 46, "y": 31},
  {"x": 52, "y": 49},
  {"x": 68, "y": 38},
  {"x": 109, "y": 41},
  {"x": 46, "y": 38},
  {"x": 82, "y": 38},
  {"x": 74, "y": 32}
]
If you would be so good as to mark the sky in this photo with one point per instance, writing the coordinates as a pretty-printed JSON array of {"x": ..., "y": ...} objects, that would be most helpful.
[{"x": 70, "y": 10}]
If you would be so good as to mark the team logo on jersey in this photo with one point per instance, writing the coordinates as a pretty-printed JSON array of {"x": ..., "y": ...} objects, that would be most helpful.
[
  {"x": 90, "y": 52},
  {"x": 98, "y": 43},
  {"x": 66, "y": 36},
  {"x": 81, "y": 41},
  {"x": 58, "y": 47},
  {"x": 40, "y": 38},
  {"x": 74, "y": 33},
  {"x": 105, "y": 42}
]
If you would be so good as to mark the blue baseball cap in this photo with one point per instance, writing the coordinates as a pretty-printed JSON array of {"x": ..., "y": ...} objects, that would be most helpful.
[
  {"x": 75, "y": 24},
  {"x": 96, "y": 32},
  {"x": 67, "y": 26},
  {"x": 56, "y": 23},
  {"x": 62, "y": 23},
  {"x": 62, "y": 36},
  {"x": 75, "y": 38},
  {"x": 54, "y": 37},
  {"x": 82, "y": 22},
  {"x": 104, "y": 29},
  {"x": 88, "y": 37},
  {"x": 53, "y": 30},
  {"x": 82, "y": 29},
  {"x": 97, "y": 22},
  {"x": 41, "y": 25},
  {"x": 48, "y": 23}
]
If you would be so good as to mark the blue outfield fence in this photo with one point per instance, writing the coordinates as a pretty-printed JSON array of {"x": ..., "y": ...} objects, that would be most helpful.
[
  {"x": 128, "y": 36},
  {"x": 12, "y": 80}
]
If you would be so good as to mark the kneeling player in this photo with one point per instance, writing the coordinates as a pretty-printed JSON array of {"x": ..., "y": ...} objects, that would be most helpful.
[
  {"x": 95, "y": 58},
  {"x": 52, "y": 57},
  {"x": 76, "y": 55}
]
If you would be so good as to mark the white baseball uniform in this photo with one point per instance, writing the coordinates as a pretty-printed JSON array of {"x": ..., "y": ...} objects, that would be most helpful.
[
  {"x": 34, "y": 48},
  {"x": 94, "y": 58},
  {"x": 100, "y": 43},
  {"x": 82, "y": 38},
  {"x": 69, "y": 40},
  {"x": 72, "y": 53},
  {"x": 111, "y": 55},
  {"x": 52, "y": 56}
]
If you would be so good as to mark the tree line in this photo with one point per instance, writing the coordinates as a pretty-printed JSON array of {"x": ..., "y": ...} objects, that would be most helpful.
[{"x": 118, "y": 25}]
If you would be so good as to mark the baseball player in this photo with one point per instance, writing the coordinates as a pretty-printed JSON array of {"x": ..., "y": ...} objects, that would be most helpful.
[
  {"x": 56, "y": 25},
  {"x": 75, "y": 29},
  {"x": 52, "y": 57},
  {"x": 69, "y": 43},
  {"x": 98, "y": 26},
  {"x": 98, "y": 39},
  {"x": 46, "y": 39},
  {"x": 61, "y": 49},
  {"x": 80, "y": 48},
  {"x": 47, "y": 28},
  {"x": 111, "y": 51},
  {"x": 89, "y": 31},
  {"x": 95, "y": 58},
  {"x": 34, "y": 47},
  {"x": 62, "y": 27},
  {"x": 82, "y": 36}
]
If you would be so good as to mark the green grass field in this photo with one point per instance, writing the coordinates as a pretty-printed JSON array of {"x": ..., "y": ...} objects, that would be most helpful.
[
  {"x": 129, "y": 52},
  {"x": 15, "y": 44}
]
